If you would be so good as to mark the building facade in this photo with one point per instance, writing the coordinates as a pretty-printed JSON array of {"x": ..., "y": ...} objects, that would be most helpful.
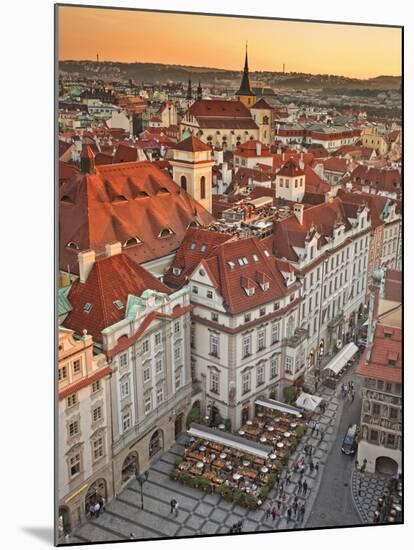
[
  {"x": 328, "y": 246},
  {"x": 380, "y": 368},
  {"x": 84, "y": 429}
]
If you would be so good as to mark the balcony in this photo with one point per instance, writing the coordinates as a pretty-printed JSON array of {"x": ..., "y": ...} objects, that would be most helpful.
[{"x": 300, "y": 335}]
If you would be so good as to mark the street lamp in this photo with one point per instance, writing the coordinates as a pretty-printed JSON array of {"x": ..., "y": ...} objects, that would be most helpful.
[{"x": 141, "y": 480}]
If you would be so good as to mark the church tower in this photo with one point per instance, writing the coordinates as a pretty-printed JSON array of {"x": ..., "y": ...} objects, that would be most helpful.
[
  {"x": 245, "y": 94},
  {"x": 192, "y": 169},
  {"x": 189, "y": 90}
]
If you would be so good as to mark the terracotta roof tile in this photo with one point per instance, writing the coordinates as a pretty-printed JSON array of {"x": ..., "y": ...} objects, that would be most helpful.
[
  {"x": 120, "y": 202},
  {"x": 230, "y": 276},
  {"x": 111, "y": 278},
  {"x": 192, "y": 144}
]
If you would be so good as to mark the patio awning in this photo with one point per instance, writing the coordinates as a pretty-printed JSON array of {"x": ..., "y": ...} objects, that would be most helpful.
[
  {"x": 230, "y": 440},
  {"x": 307, "y": 401},
  {"x": 341, "y": 358},
  {"x": 278, "y": 406}
]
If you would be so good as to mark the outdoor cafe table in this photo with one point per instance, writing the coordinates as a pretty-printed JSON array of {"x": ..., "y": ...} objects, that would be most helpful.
[
  {"x": 194, "y": 455},
  {"x": 246, "y": 472}
]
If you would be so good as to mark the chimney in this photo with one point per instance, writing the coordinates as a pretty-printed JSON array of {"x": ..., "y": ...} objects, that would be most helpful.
[
  {"x": 258, "y": 148},
  {"x": 298, "y": 209},
  {"x": 86, "y": 260},
  {"x": 112, "y": 249}
]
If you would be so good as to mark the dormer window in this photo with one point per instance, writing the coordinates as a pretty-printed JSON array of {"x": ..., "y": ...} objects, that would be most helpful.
[
  {"x": 177, "y": 271},
  {"x": 265, "y": 286},
  {"x": 118, "y": 304},
  {"x": 266, "y": 253},
  {"x": 193, "y": 246},
  {"x": 203, "y": 247},
  {"x": 72, "y": 245},
  {"x": 231, "y": 264},
  {"x": 249, "y": 291},
  {"x": 87, "y": 307},
  {"x": 166, "y": 232},
  {"x": 132, "y": 241},
  {"x": 119, "y": 198},
  {"x": 255, "y": 258}
]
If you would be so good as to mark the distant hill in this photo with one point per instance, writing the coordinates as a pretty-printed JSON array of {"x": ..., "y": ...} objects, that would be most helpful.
[{"x": 158, "y": 72}]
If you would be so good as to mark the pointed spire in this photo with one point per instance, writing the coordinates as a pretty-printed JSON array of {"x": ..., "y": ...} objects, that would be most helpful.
[
  {"x": 245, "y": 83},
  {"x": 199, "y": 91},
  {"x": 189, "y": 91}
]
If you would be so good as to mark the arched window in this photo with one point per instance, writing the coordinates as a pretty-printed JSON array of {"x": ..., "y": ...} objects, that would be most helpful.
[
  {"x": 156, "y": 443},
  {"x": 166, "y": 232},
  {"x": 183, "y": 183},
  {"x": 129, "y": 466},
  {"x": 203, "y": 187}
]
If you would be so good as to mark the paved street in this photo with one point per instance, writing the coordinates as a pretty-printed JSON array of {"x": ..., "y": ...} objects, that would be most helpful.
[
  {"x": 334, "y": 505},
  {"x": 328, "y": 501}
]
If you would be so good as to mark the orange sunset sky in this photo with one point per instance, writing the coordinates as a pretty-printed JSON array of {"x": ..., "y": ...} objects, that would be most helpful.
[{"x": 208, "y": 41}]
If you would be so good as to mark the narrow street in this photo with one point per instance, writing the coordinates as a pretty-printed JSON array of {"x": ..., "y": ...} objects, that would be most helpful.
[{"x": 333, "y": 505}]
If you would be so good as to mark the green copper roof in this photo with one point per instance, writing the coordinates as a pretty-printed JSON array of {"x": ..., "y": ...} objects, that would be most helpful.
[{"x": 62, "y": 301}]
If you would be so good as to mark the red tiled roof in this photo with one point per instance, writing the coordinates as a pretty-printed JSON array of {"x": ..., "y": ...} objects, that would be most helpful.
[
  {"x": 192, "y": 144},
  {"x": 218, "y": 108},
  {"x": 383, "y": 349},
  {"x": 376, "y": 203},
  {"x": 67, "y": 171},
  {"x": 261, "y": 104},
  {"x": 124, "y": 153},
  {"x": 334, "y": 164},
  {"x": 229, "y": 278},
  {"x": 121, "y": 201},
  {"x": 289, "y": 233},
  {"x": 190, "y": 253},
  {"x": 111, "y": 278},
  {"x": 382, "y": 180},
  {"x": 63, "y": 147},
  {"x": 291, "y": 170}
]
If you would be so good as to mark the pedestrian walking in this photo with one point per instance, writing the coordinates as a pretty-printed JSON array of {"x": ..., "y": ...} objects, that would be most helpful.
[
  {"x": 131, "y": 535},
  {"x": 279, "y": 504},
  {"x": 352, "y": 396},
  {"x": 317, "y": 467},
  {"x": 268, "y": 512},
  {"x": 176, "y": 508},
  {"x": 274, "y": 511},
  {"x": 311, "y": 466},
  {"x": 103, "y": 504},
  {"x": 289, "y": 513},
  {"x": 302, "y": 511},
  {"x": 288, "y": 478},
  {"x": 300, "y": 486},
  {"x": 97, "y": 509},
  {"x": 173, "y": 502},
  {"x": 295, "y": 508},
  {"x": 322, "y": 434},
  {"x": 305, "y": 487}
]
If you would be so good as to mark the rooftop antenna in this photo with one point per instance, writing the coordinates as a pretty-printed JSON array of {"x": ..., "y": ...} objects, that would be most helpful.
[{"x": 97, "y": 57}]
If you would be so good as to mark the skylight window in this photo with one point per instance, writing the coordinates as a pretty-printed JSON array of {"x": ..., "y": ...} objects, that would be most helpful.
[
  {"x": 240, "y": 260},
  {"x": 255, "y": 258},
  {"x": 193, "y": 246},
  {"x": 118, "y": 304},
  {"x": 203, "y": 247},
  {"x": 245, "y": 260},
  {"x": 266, "y": 252},
  {"x": 231, "y": 264},
  {"x": 87, "y": 307}
]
